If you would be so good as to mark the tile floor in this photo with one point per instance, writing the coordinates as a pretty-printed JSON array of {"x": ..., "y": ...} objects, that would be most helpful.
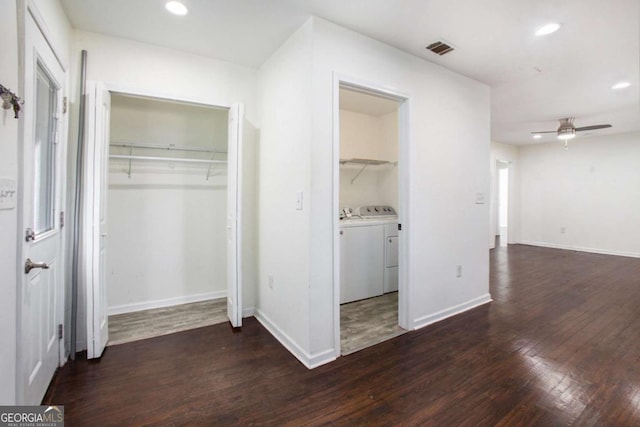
[
  {"x": 368, "y": 322},
  {"x": 362, "y": 323},
  {"x": 139, "y": 325}
]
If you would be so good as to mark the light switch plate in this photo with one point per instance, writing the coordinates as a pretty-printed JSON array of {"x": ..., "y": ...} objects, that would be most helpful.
[{"x": 299, "y": 196}]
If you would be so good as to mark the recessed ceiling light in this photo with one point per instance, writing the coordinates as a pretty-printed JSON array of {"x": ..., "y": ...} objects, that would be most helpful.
[
  {"x": 548, "y": 29},
  {"x": 536, "y": 136},
  {"x": 176, "y": 8},
  {"x": 621, "y": 85}
]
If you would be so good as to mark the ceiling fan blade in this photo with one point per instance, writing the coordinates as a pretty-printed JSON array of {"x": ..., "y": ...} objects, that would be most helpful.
[
  {"x": 594, "y": 127},
  {"x": 546, "y": 131}
]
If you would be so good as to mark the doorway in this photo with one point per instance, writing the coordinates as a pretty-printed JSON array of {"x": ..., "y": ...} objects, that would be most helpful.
[
  {"x": 166, "y": 210},
  {"x": 370, "y": 134},
  {"x": 502, "y": 219},
  {"x": 166, "y": 194}
]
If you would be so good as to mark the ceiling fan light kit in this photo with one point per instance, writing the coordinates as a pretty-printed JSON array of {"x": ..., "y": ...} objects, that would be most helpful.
[
  {"x": 567, "y": 130},
  {"x": 566, "y": 134}
]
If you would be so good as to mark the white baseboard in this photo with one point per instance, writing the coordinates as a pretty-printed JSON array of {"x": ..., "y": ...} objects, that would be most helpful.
[
  {"x": 421, "y": 322},
  {"x": 322, "y": 358},
  {"x": 168, "y": 302},
  {"x": 308, "y": 360},
  {"x": 580, "y": 249},
  {"x": 248, "y": 312}
]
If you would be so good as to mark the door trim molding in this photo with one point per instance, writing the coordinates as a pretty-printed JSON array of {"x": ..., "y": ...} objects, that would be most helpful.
[
  {"x": 88, "y": 209},
  {"x": 32, "y": 9},
  {"x": 405, "y": 319},
  {"x": 120, "y": 89}
]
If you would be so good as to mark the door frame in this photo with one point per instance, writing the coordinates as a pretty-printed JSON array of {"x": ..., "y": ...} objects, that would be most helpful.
[
  {"x": 86, "y": 250},
  {"x": 404, "y": 180},
  {"x": 28, "y": 11},
  {"x": 495, "y": 214}
]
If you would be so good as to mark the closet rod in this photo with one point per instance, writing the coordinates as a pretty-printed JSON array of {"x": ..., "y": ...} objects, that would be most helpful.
[
  {"x": 165, "y": 159},
  {"x": 167, "y": 147}
]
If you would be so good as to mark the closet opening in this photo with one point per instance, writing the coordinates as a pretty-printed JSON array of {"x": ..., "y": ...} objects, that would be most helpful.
[
  {"x": 166, "y": 208},
  {"x": 371, "y": 292}
]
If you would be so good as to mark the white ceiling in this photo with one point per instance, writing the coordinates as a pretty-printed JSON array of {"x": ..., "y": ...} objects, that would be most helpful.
[
  {"x": 534, "y": 80},
  {"x": 365, "y": 103}
]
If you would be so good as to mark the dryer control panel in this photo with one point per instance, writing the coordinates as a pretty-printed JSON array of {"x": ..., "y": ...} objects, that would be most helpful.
[{"x": 375, "y": 211}]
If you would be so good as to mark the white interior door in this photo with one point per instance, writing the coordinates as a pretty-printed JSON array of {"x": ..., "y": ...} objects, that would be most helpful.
[
  {"x": 42, "y": 187},
  {"x": 98, "y": 108},
  {"x": 234, "y": 213}
]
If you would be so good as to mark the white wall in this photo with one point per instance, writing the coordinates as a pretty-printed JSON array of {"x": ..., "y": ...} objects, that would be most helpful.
[
  {"x": 447, "y": 164},
  {"x": 507, "y": 153},
  {"x": 592, "y": 190},
  {"x": 167, "y": 222},
  {"x": 8, "y": 218},
  {"x": 366, "y": 136},
  {"x": 11, "y": 275},
  {"x": 285, "y": 136},
  {"x": 150, "y": 121},
  {"x": 132, "y": 67},
  {"x": 448, "y": 152},
  {"x": 167, "y": 238}
]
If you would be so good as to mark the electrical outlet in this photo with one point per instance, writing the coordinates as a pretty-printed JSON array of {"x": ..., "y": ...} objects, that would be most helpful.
[
  {"x": 563, "y": 230},
  {"x": 270, "y": 282},
  {"x": 458, "y": 271}
]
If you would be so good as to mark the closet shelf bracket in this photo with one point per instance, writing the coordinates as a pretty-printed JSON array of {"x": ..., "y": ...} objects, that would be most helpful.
[
  {"x": 364, "y": 163},
  {"x": 359, "y": 172},
  {"x": 130, "y": 156}
]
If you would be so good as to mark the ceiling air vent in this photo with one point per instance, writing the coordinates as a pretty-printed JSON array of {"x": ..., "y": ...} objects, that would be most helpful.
[{"x": 440, "y": 48}]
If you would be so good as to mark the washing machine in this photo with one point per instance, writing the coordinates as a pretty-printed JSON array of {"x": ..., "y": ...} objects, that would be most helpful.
[{"x": 368, "y": 264}]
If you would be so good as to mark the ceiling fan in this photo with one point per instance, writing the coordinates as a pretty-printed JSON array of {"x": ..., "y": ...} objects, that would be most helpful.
[{"x": 568, "y": 131}]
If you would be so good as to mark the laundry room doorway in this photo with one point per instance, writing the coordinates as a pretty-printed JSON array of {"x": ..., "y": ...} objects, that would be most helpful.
[{"x": 371, "y": 198}]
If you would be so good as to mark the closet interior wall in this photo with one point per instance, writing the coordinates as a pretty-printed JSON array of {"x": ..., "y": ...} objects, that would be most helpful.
[
  {"x": 366, "y": 136},
  {"x": 166, "y": 218}
]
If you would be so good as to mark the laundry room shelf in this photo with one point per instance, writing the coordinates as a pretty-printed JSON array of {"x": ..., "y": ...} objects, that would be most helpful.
[{"x": 365, "y": 163}]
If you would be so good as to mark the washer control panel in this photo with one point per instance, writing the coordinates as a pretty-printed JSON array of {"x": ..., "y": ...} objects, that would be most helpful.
[{"x": 375, "y": 211}]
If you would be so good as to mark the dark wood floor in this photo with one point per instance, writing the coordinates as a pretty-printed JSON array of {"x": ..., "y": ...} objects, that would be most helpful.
[{"x": 559, "y": 345}]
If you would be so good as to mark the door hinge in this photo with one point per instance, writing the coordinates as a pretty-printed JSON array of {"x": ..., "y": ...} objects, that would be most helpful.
[
  {"x": 60, "y": 331},
  {"x": 65, "y": 100},
  {"x": 399, "y": 227},
  {"x": 61, "y": 219}
]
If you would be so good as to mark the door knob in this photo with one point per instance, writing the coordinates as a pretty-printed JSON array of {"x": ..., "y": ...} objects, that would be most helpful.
[{"x": 30, "y": 265}]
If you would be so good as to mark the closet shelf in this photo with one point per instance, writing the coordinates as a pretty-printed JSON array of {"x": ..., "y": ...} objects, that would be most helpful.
[
  {"x": 365, "y": 163},
  {"x": 167, "y": 159},
  {"x": 171, "y": 147}
]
